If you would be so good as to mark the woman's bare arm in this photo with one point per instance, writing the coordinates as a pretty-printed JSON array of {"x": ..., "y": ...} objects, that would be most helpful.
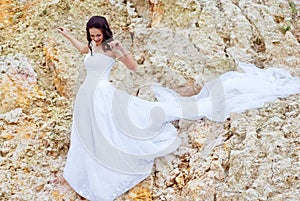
[
  {"x": 123, "y": 55},
  {"x": 82, "y": 47},
  {"x": 128, "y": 60}
]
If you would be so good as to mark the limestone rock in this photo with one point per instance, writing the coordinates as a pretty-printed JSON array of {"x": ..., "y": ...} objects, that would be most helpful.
[{"x": 179, "y": 44}]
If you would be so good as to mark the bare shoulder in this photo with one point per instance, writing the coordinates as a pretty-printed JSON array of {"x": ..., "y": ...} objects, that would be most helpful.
[{"x": 84, "y": 49}]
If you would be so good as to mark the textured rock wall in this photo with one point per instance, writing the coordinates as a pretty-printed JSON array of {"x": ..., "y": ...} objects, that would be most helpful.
[{"x": 179, "y": 44}]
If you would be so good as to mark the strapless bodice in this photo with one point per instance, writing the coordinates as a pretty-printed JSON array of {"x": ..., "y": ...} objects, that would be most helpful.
[{"x": 98, "y": 64}]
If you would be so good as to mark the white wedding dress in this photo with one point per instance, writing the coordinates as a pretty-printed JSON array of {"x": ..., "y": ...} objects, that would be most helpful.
[{"x": 115, "y": 136}]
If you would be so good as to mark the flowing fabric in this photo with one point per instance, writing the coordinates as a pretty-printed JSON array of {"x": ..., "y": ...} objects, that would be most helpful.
[{"x": 116, "y": 137}]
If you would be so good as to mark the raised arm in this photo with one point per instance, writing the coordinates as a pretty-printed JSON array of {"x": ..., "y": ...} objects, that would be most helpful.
[
  {"x": 82, "y": 47},
  {"x": 123, "y": 55}
]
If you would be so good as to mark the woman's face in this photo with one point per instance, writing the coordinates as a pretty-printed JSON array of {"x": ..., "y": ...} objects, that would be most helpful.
[{"x": 96, "y": 35}]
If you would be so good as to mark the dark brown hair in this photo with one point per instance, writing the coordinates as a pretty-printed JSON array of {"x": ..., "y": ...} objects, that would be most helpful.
[{"x": 101, "y": 23}]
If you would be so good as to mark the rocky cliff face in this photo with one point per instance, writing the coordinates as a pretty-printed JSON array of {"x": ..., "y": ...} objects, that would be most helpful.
[{"x": 179, "y": 44}]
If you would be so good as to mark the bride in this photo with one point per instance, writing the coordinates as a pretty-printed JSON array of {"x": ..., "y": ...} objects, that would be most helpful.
[{"x": 116, "y": 137}]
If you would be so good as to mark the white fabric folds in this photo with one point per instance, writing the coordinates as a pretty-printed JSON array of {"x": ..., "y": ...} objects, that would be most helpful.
[{"x": 116, "y": 136}]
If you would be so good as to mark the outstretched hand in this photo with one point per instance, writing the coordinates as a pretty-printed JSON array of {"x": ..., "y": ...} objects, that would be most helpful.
[
  {"x": 82, "y": 47},
  {"x": 63, "y": 31}
]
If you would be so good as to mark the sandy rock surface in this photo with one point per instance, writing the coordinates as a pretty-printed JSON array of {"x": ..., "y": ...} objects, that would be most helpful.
[{"x": 180, "y": 44}]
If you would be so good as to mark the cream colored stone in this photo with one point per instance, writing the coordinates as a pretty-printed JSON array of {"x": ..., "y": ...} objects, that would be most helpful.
[{"x": 254, "y": 155}]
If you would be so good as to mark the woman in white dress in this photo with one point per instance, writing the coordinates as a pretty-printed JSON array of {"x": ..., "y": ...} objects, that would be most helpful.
[{"x": 115, "y": 136}]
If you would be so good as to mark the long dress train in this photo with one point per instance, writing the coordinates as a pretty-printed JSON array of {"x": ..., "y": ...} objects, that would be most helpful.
[{"x": 115, "y": 136}]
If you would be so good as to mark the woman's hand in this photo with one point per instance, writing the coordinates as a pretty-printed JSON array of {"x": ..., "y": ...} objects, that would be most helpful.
[
  {"x": 63, "y": 31},
  {"x": 123, "y": 54},
  {"x": 117, "y": 49},
  {"x": 82, "y": 47},
  {"x": 116, "y": 45}
]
